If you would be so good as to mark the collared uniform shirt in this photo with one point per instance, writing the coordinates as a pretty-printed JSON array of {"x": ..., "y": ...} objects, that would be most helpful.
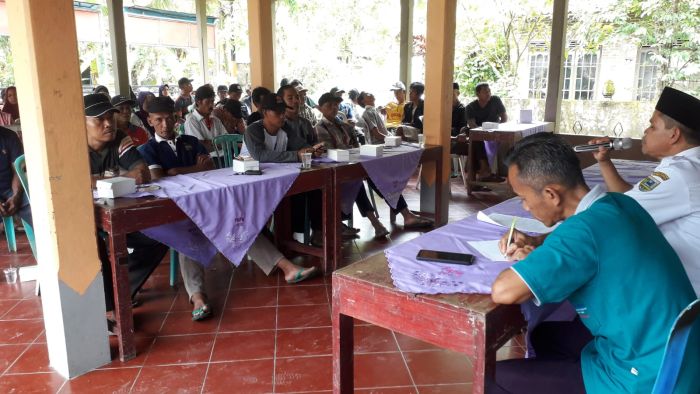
[
  {"x": 118, "y": 156},
  {"x": 196, "y": 126},
  {"x": 626, "y": 283},
  {"x": 167, "y": 154},
  {"x": 671, "y": 195}
]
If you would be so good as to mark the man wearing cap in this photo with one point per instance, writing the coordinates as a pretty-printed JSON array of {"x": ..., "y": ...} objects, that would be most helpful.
[
  {"x": 394, "y": 110},
  {"x": 200, "y": 123},
  {"x": 122, "y": 120},
  {"x": 184, "y": 101},
  {"x": 235, "y": 91},
  {"x": 294, "y": 123},
  {"x": 306, "y": 111},
  {"x": 671, "y": 193},
  {"x": 305, "y": 99},
  {"x": 112, "y": 153},
  {"x": 222, "y": 93},
  {"x": 231, "y": 116},
  {"x": 344, "y": 109}
]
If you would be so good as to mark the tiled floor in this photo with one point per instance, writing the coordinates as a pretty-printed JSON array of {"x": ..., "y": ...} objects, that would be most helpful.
[{"x": 266, "y": 336}]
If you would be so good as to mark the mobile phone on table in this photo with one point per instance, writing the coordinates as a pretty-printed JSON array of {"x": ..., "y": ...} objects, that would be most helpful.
[
  {"x": 253, "y": 172},
  {"x": 445, "y": 257}
]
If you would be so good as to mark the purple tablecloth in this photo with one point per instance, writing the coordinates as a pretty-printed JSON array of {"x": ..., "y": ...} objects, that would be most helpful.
[
  {"x": 415, "y": 276},
  {"x": 226, "y": 211}
]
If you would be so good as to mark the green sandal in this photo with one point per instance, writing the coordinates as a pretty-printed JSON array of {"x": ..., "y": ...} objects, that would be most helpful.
[{"x": 201, "y": 313}]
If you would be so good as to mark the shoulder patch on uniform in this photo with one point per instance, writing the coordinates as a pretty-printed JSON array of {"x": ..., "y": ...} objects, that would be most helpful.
[
  {"x": 648, "y": 184},
  {"x": 661, "y": 175}
]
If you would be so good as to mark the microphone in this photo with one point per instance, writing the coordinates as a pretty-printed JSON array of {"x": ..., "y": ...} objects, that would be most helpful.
[{"x": 615, "y": 144}]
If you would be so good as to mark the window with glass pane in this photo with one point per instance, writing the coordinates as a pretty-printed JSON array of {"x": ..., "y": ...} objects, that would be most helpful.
[
  {"x": 539, "y": 65},
  {"x": 567, "y": 76},
  {"x": 579, "y": 81},
  {"x": 648, "y": 76}
]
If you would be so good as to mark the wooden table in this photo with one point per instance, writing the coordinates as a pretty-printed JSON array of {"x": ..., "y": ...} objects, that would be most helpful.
[
  {"x": 348, "y": 172},
  {"x": 467, "y": 323},
  {"x": 118, "y": 217},
  {"x": 507, "y": 133}
]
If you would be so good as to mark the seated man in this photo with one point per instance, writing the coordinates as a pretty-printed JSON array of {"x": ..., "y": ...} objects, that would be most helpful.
[
  {"x": 184, "y": 100},
  {"x": 412, "y": 121},
  {"x": 612, "y": 287},
  {"x": 122, "y": 120},
  {"x": 305, "y": 111},
  {"x": 394, "y": 109},
  {"x": 294, "y": 122},
  {"x": 13, "y": 200},
  {"x": 235, "y": 91},
  {"x": 267, "y": 142},
  {"x": 201, "y": 123},
  {"x": 337, "y": 135},
  {"x": 222, "y": 95},
  {"x": 256, "y": 97},
  {"x": 169, "y": 154},
  {"x": 671, "y": 193},
  {"x": 375, "y": 130},
  {"x": 231, "y": 116},
  {"x": 112, "y": 153},
  {"x": 486, "y": 108}
]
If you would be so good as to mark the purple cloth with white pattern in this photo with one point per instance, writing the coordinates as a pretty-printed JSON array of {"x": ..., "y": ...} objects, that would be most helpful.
[
  {"x": 228, "y": 210},
  {"x": 391, "y": 172},
  {"x": 415, "y": 276}
]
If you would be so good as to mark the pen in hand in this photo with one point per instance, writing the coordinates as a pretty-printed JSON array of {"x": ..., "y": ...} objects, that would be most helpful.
[{"x": 510, "y": 234}]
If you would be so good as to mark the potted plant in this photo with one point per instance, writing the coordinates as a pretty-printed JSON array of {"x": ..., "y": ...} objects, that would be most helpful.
[{"x": 609, "y": 89}]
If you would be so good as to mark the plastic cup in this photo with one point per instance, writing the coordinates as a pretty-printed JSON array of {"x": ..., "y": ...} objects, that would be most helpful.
[
  {"x": 306, "y": 160},
  {"x": 421, "y": 140},
  {"x": 10, "y": 274}
]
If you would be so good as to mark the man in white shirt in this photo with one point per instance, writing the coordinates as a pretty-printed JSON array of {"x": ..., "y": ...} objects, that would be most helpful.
[
  {"x": 671, "y": 193},
  {"x": 375, "y": 130},
  {"x": 201, "y": 123}
]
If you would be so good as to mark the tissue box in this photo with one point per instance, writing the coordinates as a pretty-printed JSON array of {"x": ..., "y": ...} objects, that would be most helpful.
[
  {"x": 339, "y": 154},
  {"x": 115, "y": 187},
  {"x": 372, "y": 150},
  {"x": 244, "y": 164},
  {"x": 392, "y": 141},
  {"x": 489, "y": 126},
  {"x": 525, "y": 116}
]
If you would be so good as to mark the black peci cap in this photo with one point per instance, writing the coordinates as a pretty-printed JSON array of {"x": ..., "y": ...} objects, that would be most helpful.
[
  {"x": 680, "y": 106},
  {"x": 161, "y": 105},
  {"x": 97, "y": 104}
]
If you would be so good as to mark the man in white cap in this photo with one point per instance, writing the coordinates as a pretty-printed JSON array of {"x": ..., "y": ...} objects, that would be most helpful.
[
  {"x": 671, "y": 193},
  {"x": 394, "y": 110}
]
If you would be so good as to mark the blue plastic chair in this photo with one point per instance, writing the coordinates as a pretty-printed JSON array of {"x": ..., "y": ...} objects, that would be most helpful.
[
  {"x": 21, "y": 171},
  {"x": 9, "y": 223},
  {"x": 672, "y": 362},
  {"x": 226, "y": 149}
]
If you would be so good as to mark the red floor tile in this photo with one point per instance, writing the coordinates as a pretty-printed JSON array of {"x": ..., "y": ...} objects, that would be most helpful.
[
  {"x": 244, "y": 346},
  {"x": 32, "y": 383},
  {"x": 174, "y": 378},
  {"x": 20, "y": 331},
  {"x": 155, "y": 302},
  {"x": 16, "y": 290},
  {"x": 303, "y": 316},
  {"x": 407, "y": 343},
  {"x": 438, "y": 367},
  {"x": 446, "y": 389},
  {"x": 148, "y": 324},
  {"x": 8, "y": 355},
  {"x": 247, "y": 298},
  {"x": 387, "y": 390},
  {"x": 303, "y": 295},
  {"x": 304, "y": 342},
  {"x": 303, "y": 374},
  {"x": 183, "y": 349},
  {"x": 381, "y": 370},
  {"x": 102, "y": 381},
  {"x": 143, "y": 346},
  {"x": 6, "y": 306},
  {"x": 253, "y": 377},
  {"x": 179, "y": 323},
  {"x": 34, "y": 359},
  {"x": 370, "y": 339},
  {"x": 248, "y": 319},
  {"x": 26, "y": 309}
]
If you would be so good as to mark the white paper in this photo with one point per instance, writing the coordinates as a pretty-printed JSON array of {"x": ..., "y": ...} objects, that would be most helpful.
[
  {"x": 488, "y": 249},
  {"x": 523, "y": 224}
]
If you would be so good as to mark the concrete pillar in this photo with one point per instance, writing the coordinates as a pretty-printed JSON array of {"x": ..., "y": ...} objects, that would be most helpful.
[
  {"x": 47, "y": 72},
  {"x": 437, "y": 121},
  {"x": 202, "y": 39},
  {"x": 555, "y": 80},
  {"x": 261, "y": 38},
  {"x": 406, "y": 45},
  {"x": 117, "y": 41}
]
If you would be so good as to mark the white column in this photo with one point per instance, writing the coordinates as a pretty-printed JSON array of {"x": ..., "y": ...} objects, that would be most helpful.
[
  {"x": 555, "y": 80},
  {"x": 117, "y": 41}
]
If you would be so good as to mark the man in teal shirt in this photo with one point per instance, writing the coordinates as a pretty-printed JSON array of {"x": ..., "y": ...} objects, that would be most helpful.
[{"x": 607, "y": 258}]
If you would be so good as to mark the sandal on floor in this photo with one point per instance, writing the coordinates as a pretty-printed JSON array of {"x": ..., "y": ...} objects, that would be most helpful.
[
  {"x": 492, "y": 178},
  {"x": 419, "y": 223},
  {"x": 381, "y": 233},
  {"x": 303, "y": 274},
  {"x": 201, "y": 313}
]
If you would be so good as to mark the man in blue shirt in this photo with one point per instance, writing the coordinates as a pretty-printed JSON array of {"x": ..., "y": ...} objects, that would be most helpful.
[{"x": 609, "y": 260}]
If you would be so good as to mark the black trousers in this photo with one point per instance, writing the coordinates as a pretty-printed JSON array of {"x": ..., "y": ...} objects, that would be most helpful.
[
  {"x": 365, "y": 205},
  {"x": 146, "y": 256},
  {"x": 557, "y": 367},
  {"x": 303, "y": 203}
]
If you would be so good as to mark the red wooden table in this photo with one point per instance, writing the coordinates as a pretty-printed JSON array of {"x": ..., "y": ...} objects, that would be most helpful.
[
  {"x": 467, "y": 323},
  {"x": 118, "y": 217},
  {"x": 348, "y": 172}
]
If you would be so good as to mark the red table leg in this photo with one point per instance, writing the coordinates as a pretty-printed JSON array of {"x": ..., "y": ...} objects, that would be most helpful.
[
  {"x": 119, "y": 259},
  {"x": 342, "y": 348}
]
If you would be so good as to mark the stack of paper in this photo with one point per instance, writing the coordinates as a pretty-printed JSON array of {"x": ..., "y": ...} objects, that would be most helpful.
[{"x": 527, "y": 225}]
